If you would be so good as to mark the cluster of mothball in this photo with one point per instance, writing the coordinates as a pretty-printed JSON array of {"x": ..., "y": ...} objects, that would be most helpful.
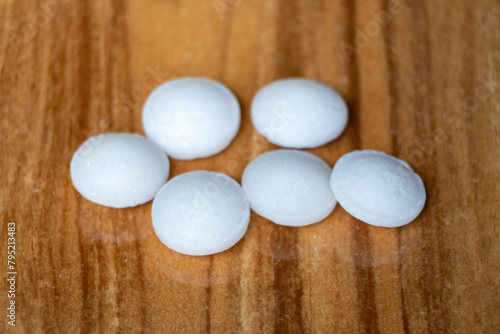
[{"x": 203, "y": 212}]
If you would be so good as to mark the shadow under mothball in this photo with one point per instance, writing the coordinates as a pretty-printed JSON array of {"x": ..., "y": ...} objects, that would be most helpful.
[
  {"x": 265, "y": 243},
  {"x": 101, "y": 224},
  {"x": 339, "y": 235},
  {"x": 203, "y": 271}
]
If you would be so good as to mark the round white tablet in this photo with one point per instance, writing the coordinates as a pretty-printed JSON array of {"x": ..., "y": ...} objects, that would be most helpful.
[
  {"x": 119, "y": 169},
  {"x": 289, "y": 187},
  {"x": 200, "y": 213},
  {"x": 299, "y": 113},
  {"x": 191, "y": 117},
  {"x": 377, "y": 188}
]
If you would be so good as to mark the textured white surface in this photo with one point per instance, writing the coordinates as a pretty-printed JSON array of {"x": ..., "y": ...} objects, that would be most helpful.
[
  {"x": 191, "y": 117},
  {"x": 200, "y": 213},
  {"x": 119, "y": 169},
  {"x": 377, "y": 188},
  {"x": 299, "y": 113},
  {"x": 289, "y": 187}
]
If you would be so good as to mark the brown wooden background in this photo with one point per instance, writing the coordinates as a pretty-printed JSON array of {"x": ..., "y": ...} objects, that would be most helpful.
[{"x": 421, "y": 83}]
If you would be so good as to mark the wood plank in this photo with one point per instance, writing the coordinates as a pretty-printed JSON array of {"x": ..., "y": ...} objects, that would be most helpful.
[{"x": 422, "y": 81}]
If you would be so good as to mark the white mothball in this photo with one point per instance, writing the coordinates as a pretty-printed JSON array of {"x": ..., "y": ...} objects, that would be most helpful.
[
  {"x": 289, "y": 187},
  {"x": 191, "y": 117},
  {"x": 119, "y": 169},
  {"x": 200, "y": 213},
  {"x": 299, "y": 113},
  {"x": 377, "y": 188}
]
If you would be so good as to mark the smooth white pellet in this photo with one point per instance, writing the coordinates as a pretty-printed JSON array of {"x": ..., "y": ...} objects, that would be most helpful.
[
  {"x": 289, "y": 187},
  {"x": 200, "y": 213},
  {"x": 119, "y": 169},
  {"x": 377, "y": 188},
  {"x": 191, "y": 117},
  {"x": 299, "y": 113}
]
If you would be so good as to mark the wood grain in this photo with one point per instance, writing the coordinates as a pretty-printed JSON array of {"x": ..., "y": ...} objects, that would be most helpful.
[{"x": 420, "y": 78}]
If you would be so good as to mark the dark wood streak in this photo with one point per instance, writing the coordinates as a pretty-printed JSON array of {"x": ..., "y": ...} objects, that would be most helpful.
[
  {"x": 363, "y": 253},
  {"x": 142, "y": 284},
  {"x": 208, "y": 292},
  {"x": 287, "y": 281},
  {"x": 395, "y": 102},
  {"x": 404, "y": 308},
  {"x": 84, "y": 268},
  {"x": 84, "y": 52},
  {"x": 121, "y": 283},
  {"x": 83, "y": 89},
  {"x": 288, "y": 58},
  {"x": 258, "y": 269},
  {"x": 365, "y": 279},
  {"x": 102, "y": 278}
]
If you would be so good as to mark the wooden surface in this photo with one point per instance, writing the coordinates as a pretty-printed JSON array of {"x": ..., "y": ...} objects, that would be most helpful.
[{"x": 421, "y": 84}]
